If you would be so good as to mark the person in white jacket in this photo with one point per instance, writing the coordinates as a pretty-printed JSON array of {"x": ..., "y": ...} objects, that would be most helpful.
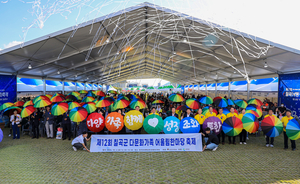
[{"x": 15, "y": 120}]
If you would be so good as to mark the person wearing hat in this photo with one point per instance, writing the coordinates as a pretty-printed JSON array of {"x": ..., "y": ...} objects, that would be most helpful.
[
  {"x": 270, "y": 113},
  {"x": 285, "y": 121}
]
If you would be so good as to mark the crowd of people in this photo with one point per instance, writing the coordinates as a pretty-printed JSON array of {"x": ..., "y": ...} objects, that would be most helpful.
[{"x": 42, "y": 119}]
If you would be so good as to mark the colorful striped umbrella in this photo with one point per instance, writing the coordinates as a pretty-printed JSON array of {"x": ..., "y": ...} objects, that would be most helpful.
[
  {"x": 206, "y": 110},
  {"x": 220, "y": 102},
  {"x": 121, "y": 104},
  {"x": 111, "y": 108},
  {"x": 90, "y": 93},
  {"x": 110, "y": 99},
  {"x": 176, "y": 97},
  {"x": 28, "y": 103},
  {"x": 42, "y": 103},
  {"x": 78, "y": 114},
  {"x": 230, "y": 102},
  {"x": 59, "y": 94},
  {"x": 27, "y": 111},
  {"x": 19, "y": 103},
  {"x": 206, "y": 100},
  {"x": 59, "y": 108},
  {"x": 83, "y": 91},
  {"x": 232, "y": 126},
  {"x": 113, "y": 92},
  {"x": 293, "y": 129},
  {"x": 252, "y": 112},
  {"x": 75, "y": 93},
  {"x": 72, "y": 105},
  {"x": 103, "y": 103},
  {"x": 272, "y": 126},
  {"x": 123, "y": 97},
  {"x": 49, "y": 96},
  {"x": 57, "y": 98},
  {"x": 88, "y": 99},
  {"x": 250, "y": 123},
  {"x": 241, "y": 103},
  {"x": 255, "y": 101},
  {"x": 182, "y": 108},
  {"x": 225, "y": 111},
  {"x": 192, "y": 103},
  {"x": 153, "y": 124},
  {"x": 90, "y": 107},
  {"x": 158, "y": 102},
  {"x": 71, "y": 98},
  {"x": 81, "y": 104},
  {"x": 139, "y": 103},
  {"x": 12, "y": 108},
  {"x": 6, "y": 105},
  {"x": 99, "y": 93},
  {"x": 41, "y": 97},
  {"x": 255, "y": 108}
]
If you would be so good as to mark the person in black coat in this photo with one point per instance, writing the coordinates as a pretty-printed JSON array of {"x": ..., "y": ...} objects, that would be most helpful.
[
  {"x": 188, "y": 114},
  {"x": 66, "y": 125},
  {"x": 173, "y": 113},
  {"x": 35, "y": 122}
]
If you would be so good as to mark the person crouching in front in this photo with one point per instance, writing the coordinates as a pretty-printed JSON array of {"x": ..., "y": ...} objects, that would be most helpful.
[
  {"x": 80, "y": 142},
  {"x": 211, "y": 140}
]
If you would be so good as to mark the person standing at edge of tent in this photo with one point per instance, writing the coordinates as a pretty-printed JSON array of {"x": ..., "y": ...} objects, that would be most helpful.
[
  {"x": 49, "y": 119},
  {"x": 243, "y": 134},
  {"x": 222, "y": 117},
  {"x": 270, "y": 113},
  {"x": 15, "y": 121},
  {"x": 232, "y": 114},
  {"x": 210, "y": 113},
  {"x": 285, "y": 121}
]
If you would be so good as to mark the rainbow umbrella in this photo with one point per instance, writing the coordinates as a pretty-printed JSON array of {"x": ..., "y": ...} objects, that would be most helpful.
[
  {"x": 99, "y": 93},
  {"x": 57, "y": 98},
  {"x": 42, "y": 103},
  {"x": 78, "y": 114},
  {"x": 88, "y": 99},
  {"x": 158, "y": 102},
  {"x": 70, "y": 98},
  {"x": 220, "y": 102},
  {"x": 255, "y": 101},
  {"x": 7, "y": 110},
  {"x": 83, "y": 91},
  {"x": 81, "y": 104},
  {"x": 121, "y": 104},
  {"x": 28, "y": 103},
  {"x": 293, "y": 129},
  {"x": 74, "y": 93},
  {"x": 110, "y": 99},
  {"x": 123, "y": 97},
  {"x": 206, "y": 100},
  {"x": 59, "y": 94},
  {"x": 72, "y": 105},
  {"x": 113, "y": 92},
  {"x": 252, "y": 112},
  {"x": 139, "y": 103},
  {"x": 232, "y": 126},
  {"x": 111, "y": 108},
  {"x": 41, "y": 97},
  {"x": 49, "y": 96},
  {"x": 95, "y": 101},
  {"x": 271, "y": 126},
  {"x": 27, "y": 111},
  {"x": 90, "y": 107},
  {"x": 182, "y": 108},
  {"x": 192, "y": 103},
  {"x": 206, "y": 110},
  {"x": 255, "y": 108},
  {"x": 19, "y": 103},
  {"x": 225, "y": 111},
  {"x": 176, "y": 97},
  {"x": 90, "y": 93},
  {"x": 230, "y": 102},
  {"x": 250, "y": 123},
  {"x": 103, "y": 103},
  {"x": 59, "y": 108},
  {"x": 241, "y": 103},
  {"x": 6, "y": 105}
]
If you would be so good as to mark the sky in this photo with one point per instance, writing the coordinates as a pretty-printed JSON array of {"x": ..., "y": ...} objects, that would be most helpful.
[{"x": 273, "y": 20}]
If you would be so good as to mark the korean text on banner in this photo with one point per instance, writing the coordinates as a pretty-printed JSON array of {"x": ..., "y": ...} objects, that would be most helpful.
[{"x": 146, "y": 143}]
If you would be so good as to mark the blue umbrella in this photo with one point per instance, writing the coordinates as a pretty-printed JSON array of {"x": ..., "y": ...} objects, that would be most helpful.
[
  {"x": 189, "y": 125},
  {"x": 225, "y": 111},
  {"x": 171, "y": 125},
  {"x": 230, "y": 102},
  {"x": 1, "y": 135}
]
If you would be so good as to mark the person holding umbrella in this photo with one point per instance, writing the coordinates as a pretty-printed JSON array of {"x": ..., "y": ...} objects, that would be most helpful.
[
  {"x": 222, "y": 117},
  {"x": 270, "y": 113},
  {"x": 232, "y": 114},
  {"x": 243, "y": 134},
  {"x": 285, "y": 121},
  {"x": 49, "y": 119},
  {"x": 15, "y": 121}
]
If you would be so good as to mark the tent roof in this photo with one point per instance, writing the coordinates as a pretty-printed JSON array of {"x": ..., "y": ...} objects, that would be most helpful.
[{"x": 139, "y": 42}]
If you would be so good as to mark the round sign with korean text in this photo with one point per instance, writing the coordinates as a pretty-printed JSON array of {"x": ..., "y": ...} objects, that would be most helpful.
[
  {"x": 213, "y": 123},
  {"x": 171, "y": 125},
  {"x": 114, "y": 122},
  {"x": 189, "y": 125},
  {"x": 95, "y": 122},
  {"x": 133, "y": 120}
]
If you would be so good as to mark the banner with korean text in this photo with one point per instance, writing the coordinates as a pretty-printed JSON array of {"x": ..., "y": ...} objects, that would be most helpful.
[{"x": 146, "y": 143}]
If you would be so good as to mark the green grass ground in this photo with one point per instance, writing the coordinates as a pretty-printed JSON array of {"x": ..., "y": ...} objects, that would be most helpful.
[{"x": 54, "y": 161}]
